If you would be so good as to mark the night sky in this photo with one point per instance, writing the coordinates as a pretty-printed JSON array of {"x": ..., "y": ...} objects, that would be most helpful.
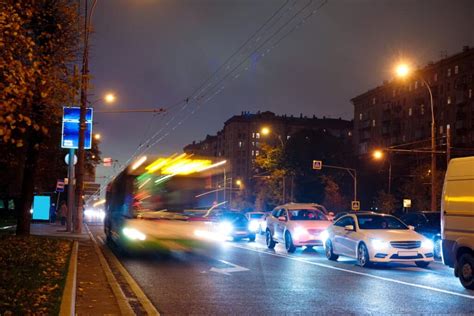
[{"x": 153, "y": 53}]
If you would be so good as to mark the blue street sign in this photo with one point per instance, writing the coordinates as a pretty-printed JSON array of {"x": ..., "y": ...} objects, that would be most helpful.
[{"x": 70, "y": 134}]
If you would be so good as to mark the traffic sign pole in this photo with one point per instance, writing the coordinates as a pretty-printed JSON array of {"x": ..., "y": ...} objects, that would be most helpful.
[{"x": 70, "y": 190}]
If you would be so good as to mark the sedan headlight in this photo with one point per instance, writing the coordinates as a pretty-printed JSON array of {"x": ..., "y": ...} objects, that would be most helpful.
[
  {"x": 226, "y": 228},
  {"x": 324, "y": 236},
  {"x": 133, "y": 234},
  {"x": 427, "y": 244},
  {"x": 298, "y": 232},
  {"x": 253, "y": 225},
  {"x": 380, "y": 244}
]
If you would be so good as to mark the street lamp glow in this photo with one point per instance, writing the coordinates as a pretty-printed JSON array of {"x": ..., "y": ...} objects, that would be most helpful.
[
  {"x": 238, "y": 182},
  {"x": 265, "y": 131},
  {"x": 97, "y": 136},
  {"x": 378, "y": 154},
  {"x": 109, "y": 98},
  {"x": 402, "y": 70}
]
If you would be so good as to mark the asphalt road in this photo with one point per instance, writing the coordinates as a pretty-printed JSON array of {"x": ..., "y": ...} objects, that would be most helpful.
[{"x": 246, "y": 278}]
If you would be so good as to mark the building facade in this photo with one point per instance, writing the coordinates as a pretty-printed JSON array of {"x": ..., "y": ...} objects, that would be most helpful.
[
  {"x": 399, "y": 112},
  {"x": 240, "y": 140}
]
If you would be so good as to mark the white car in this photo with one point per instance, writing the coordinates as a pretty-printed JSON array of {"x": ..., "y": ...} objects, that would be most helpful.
[
  {"x": 257, "y": 221},
  {"x": 373, "y": 237},
  {"x": 296, "y": 225}
]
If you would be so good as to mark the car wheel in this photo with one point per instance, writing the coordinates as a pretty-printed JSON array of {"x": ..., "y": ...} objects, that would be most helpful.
[
  {"x": 329, "y": 251},
  {"x": 290, "y": 247},
  {"x": 422, "y": 264},
  {"x": 252, "y": 238},
  {"x": 466, "y": 271},
  {"x": 269, "y": 239},
  {"x": 363, "y": 256}
]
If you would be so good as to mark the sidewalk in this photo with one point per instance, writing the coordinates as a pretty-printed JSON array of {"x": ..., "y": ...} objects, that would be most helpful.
[{"x": 94, "y": 295}]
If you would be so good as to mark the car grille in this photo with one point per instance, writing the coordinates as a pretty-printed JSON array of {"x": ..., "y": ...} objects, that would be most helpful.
[
  {"x": 405, "y": 244},
  {"x": 313, "y": 231}
]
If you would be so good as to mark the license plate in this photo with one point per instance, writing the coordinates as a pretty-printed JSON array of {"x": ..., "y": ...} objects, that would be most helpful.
[
  {"x": 407, "y": 253},
  {"x": 241, "y": 233}
]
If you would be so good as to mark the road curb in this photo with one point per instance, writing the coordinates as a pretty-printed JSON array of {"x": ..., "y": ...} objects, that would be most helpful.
[
  {"x": 141, "y": 296},
  {"x": 124, "y": 306},
  {"x": 68, "y": 299}
]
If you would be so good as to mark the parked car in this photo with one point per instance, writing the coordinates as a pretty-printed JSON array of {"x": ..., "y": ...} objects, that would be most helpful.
[
  {"x": 372, "y": 237},
  {"x": 428, "y": 224},
  {"x": 234, "y": 225},
  {"x": 457, "y": 219},
  {"x": 258, "y": 221},
  {"x": 296, "y": 225}
]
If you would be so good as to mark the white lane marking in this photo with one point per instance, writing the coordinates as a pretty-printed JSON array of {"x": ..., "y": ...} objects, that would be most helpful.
[
  {"x": 360, "y": 273},
  {"x": 228, "y": 271}
]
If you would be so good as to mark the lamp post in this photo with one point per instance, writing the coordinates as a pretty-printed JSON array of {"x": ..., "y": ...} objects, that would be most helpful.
[
  {"x": 378, "y": 155},
  {"x": 403, "y": 71},
  {"x": 267, "y": 131},
  {"x": 82, "y": 118}
]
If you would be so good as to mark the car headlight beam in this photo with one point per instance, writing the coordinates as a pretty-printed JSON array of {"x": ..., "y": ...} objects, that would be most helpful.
[
  {"x": 380, "y": 244},
  {"x": 427, "y": 244},
  {"x": 253, "y": 225},
  {"x": 133, "y": 234}
]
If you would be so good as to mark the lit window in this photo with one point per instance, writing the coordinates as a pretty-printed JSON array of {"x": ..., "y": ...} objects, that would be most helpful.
[
  {"x": 422, "y": 109},
  {"x": 257, "y": 135},
  {"x": 253, "y": 152},
  {"x": 449, "y": 100},
  {"x": 449, "y": 72},
  {"x": 373, "y": 100},
  {"x": 253, "y": 135},
  {"x": 288, "y": 137},
  {"x": 257, "y": 153},
  {"x": 435, "y": 77},
  {"x": 470, "y": 93},
  {"x": 410, "y": 111},
  {"x": 349, "y": 134},
  {"x": 240, "y": 144},
  {"x": 441, "y": 129},
  {"x": 373, "y": 123},
  {"x": 360, "y": 116},
  {"x": 253, "y": 143},
  {"x": 456, "y": 69}
]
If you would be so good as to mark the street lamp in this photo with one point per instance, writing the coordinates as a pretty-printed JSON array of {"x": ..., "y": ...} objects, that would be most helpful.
[
  {"x": 265, "y": 131},
  {"x": 378, "y": 155},
  {"x": 97, "y": 136},
  {"x": 109, "y": 98},
  {"x": 402, "y": 71}
]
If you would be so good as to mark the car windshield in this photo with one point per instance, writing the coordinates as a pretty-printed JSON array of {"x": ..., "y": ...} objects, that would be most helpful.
[
  {"x": 379, "y": 222},
  {"x": 256, "y": 216},
  {"x": 307, "y": 215}
]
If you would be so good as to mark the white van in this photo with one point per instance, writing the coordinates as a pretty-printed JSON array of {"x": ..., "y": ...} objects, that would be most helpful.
[{"x": 457, "y": 219}]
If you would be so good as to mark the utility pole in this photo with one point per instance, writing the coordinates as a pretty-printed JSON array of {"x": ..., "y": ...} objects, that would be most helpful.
[
  {"x": 448, "y": 144},
  {"x": 82, "y": 118}
]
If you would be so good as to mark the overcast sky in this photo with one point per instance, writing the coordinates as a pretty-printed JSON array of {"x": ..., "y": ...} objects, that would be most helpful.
[{"x": 152, "y": 53}]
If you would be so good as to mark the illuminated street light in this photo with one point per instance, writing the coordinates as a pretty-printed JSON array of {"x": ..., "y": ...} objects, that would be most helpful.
[
  {"x": 402, "y": 70},
  {"x": 97, "y": 136},
  {"x": 238, "y": 182},
  {"x": 378, "y": 154},
  {"x": 109, "y": 98},
  {"x": 265, "y": 131}
]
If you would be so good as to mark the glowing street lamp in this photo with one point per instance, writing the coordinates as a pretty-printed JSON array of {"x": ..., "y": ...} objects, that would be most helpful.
[
  {"x": 377, "y": 154},
  {"x": 109, "y": 98},
  {"x": 402, "y": 71},
  {"x": 238, "y": 182},
  {"x": 265, "y": 131},
  {"x": 97, "y": 136}
]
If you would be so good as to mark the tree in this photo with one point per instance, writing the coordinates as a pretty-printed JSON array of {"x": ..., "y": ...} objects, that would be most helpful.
[
  {"x": 38, "y": 43},
  {"x": 385, "y": 202},
  {"x": 333, "y": 199}
]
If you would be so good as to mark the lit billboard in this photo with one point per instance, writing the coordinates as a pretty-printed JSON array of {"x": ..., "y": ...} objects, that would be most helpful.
[{"x": 70, "y": 134}]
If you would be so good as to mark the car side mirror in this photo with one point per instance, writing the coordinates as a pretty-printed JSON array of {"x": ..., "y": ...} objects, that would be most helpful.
[
  {"x": 411, "y": 227},
  {"x": 349, "y": 228},
  {"x": 331, "y": 213},
  {"x": 282, "y": 218}
]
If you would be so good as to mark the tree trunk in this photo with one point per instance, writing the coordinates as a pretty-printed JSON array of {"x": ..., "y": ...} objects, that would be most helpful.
[{"x": 27, "y": 190}]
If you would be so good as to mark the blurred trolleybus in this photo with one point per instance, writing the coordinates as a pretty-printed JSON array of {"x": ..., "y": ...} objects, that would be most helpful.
[{"x": 161, "y": 202}]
